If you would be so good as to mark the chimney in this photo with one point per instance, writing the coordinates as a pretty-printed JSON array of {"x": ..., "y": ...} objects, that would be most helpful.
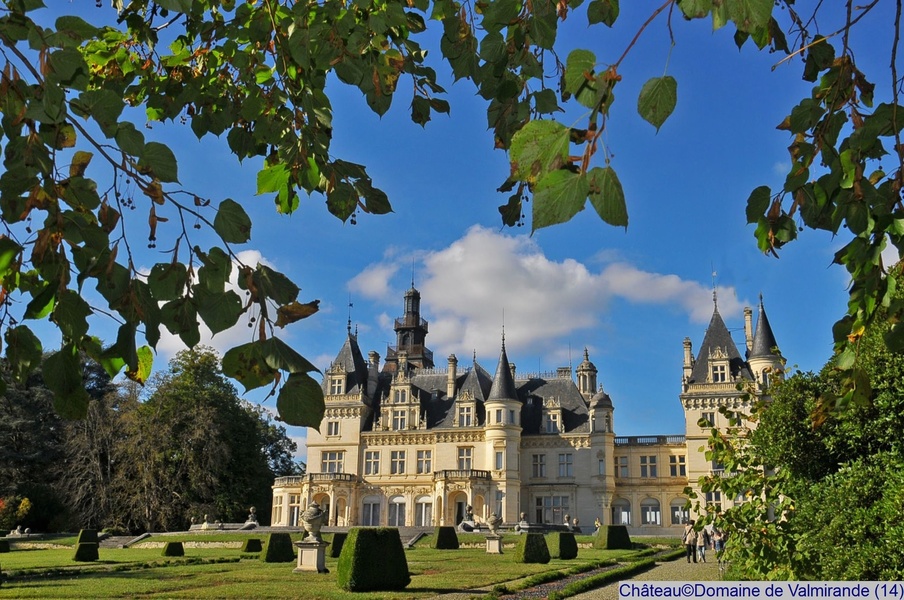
[
  {"x": 748, "y": 327},
  {"x": 452, "y": 374}
]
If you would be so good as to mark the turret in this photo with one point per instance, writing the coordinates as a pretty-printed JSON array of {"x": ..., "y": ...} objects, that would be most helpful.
[
  {"x": 587, "y": 377},
  {"x": 764, "y": 357}
]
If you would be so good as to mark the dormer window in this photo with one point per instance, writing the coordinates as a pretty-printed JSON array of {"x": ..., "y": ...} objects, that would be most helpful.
[
  {"x": 719, "y": 374},
  {"x": 465, "y": 416},
  {"x": 399, "y": 420},
  {"x": 337, "y": 385},
  {"x": 552, "y": 423},
  {"x": 552, "y": 415}
]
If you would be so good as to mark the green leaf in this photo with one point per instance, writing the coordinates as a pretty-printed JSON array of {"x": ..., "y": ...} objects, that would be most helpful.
[
  {"x": 129, "y": 139},
  {"x": 750, "y": 15},
  {"x": 608, "y": 197},
  {"x": 657, "y": 100},
  {"x": 246, "y": 364},
  {"x": 232, "y": 223},
  {"x": 104, "y": 105},
  {"x": 9, "y": 250},
  {"x": 42, "y": 302},
  {"x": 558, "y": 197},
  {"x": 181, "y": 318},
  {"x": 76, "y": 28},
  {"x": 180, "y": 6},
  {"x": 300, "y": 401},
  {"x": 758, "y": 202},
  {"x": 539, "y": 148},
  {"x": 217, "y": 266},
  {"x": 23, "y": 351},
  {"x": 219, "y": 310},
  {"x": 695, "y": 9},
  {"x": 274, "y": 285},
  {"x": 167, "y": 281},
  {"x": 145, "y": 358},
  {"x": 602, "y": 11},
  {"x": 342, "y": 200},
  {"x": 272, "y": 179},
  {"x": 578, "y": 67},
  {"x": 70, "y": 68},
  {"x": 158, "y": 160},
  {"x": 63, "y": 376},
  {"x": 71, "y": 315}
]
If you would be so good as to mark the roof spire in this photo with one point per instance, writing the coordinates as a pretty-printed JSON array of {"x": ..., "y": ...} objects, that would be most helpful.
[
  {"x": 715, "y": 294},
  {"x": 349, "y": 325}
]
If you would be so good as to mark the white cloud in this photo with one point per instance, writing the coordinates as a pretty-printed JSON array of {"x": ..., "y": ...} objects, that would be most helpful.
[
  {"x": 373, "y": 282},
  {"x": 486, "y": 278}
]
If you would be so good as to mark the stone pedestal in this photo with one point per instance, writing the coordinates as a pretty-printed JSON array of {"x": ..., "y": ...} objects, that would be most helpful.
[
  {"x": 311, "y": 556},
  {"x": 494, "y": 544}
]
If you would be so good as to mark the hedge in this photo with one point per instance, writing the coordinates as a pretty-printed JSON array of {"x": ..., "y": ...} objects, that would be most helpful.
[
  {"x": 173, "y": 549},
  {"x": 278, "y": 549},
  {"x": 445, "y": 538},
  {"x": 562, "y": 545},
  {"x": 613, "y": 537},
  {"x": 531, "y": 548},
  {"x": 372, "y": 559}
]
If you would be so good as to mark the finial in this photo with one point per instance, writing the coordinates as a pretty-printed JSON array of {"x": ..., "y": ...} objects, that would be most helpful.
[
  {"x": 349, "y": 325},
  {"x": 586, "y": 354},
  {"x": 761, "y": 298},
  {"x": 474, "y": 356},
  {"x": 715, "y": 295}
]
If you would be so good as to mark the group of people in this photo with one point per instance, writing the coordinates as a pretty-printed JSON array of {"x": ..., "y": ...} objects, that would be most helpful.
[{"x": 696, "y": 542}]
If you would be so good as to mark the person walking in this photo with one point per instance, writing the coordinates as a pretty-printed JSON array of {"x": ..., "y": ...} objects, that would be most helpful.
[
  {"x": 702, "y": 543},
  {"x": 718, "y": 544},
  {"x": 690, "y": 542}
]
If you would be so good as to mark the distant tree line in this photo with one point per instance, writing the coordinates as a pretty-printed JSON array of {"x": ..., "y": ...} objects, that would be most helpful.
[{"x": 144, "y": 459}]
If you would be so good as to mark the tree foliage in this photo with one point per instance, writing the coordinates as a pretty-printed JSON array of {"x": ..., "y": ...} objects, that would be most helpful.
[{"x": 77, "y": 161}]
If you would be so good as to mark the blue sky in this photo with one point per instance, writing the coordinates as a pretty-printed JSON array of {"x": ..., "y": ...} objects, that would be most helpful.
[{"x": 629, "y": 296}]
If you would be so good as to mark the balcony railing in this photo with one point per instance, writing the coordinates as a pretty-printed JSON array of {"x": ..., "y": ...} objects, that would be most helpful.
[
  {"x": 649, "y": 440},
  {"x": 314, "y": 478},
  {"x": 410, "y": 321},
  {"x": 460, "y": 474}
]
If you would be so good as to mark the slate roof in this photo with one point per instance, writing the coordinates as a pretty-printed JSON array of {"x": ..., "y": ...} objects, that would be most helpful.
[
  {"x": 717, "y": 336},
  {"x": 763, "y": 338},
  {"x": 531, "y": 392},
  {"x": 352, "y": 360},
  {"x": 503, "y": 383}
]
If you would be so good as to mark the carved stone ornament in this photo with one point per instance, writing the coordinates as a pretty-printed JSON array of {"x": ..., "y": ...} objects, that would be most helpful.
[{"x": 312, "y": 519}]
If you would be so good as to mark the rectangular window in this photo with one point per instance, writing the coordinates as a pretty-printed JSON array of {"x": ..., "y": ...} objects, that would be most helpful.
[
  {"x": 719, "y": 373},
  {"x": 538, "y": 465},
  {"x": 277, "y": 510},
  {"x": 331, "y": 461},
  {"x": 552, "y": 423},
  {"x": 714, "y": 499},
  {"x": 677, "y": 468},
  {"x": 397, "y": 462},
  {"x": 621, "y": 466},
  {"x": 336, "y": 386},
  {"x": 424, "y": 461},
  {"x": 680, "y": 515},
  {"x": 464, "y": 416},
  {"x": 601, "y": 466},
  {"x": 371, "y": 516},
  {"x": 372, "y": 462},
  {"x": 709, "y": 418},
  {"x": 499, "y": 416},
  {"x": 499, "y": 460},
  {"x": 464, "y": 458},
  {"x": 566, "y": 465},
  {"x": 396, "y": 514},
  {"x": 399, "y": 420},
  {"x": 499, "y": 497},
  {"x": 294, "y": 509},
  {"x": 511, "y": 417},
  {"x": 552, "y": 509},
  {"x": 423, "y": 514},
  {"x": 332, "y": 427},
  {"x": 648, "y": 466}
]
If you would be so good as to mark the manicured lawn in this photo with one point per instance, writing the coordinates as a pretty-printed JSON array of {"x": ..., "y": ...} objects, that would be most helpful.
[{"x": 222, "y": 573}]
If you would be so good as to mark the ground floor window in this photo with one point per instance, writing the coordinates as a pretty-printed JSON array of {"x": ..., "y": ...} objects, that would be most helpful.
[
  {"x": 552, "y": 509},
  {"x": 397, "y": 512},
  {"x": 277, "y": 509},
  {"x": 680, "y": 514},
  {"x": 621, "y": 512},
  {"x": 294, "y": 509},
  {"x": 371, "y": 512},
  {"x": 650, "y": 513},
  {"x": 423, "y": 512}
]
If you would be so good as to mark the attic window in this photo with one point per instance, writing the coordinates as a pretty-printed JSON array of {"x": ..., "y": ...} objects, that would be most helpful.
[
  {"x": 552, "y": 423},
  {"x": 337, "y": 385},
  {"x": 400, "y": 396},
  {"x": 719, "y": 373},
  {"x": 464, "y": 416}
]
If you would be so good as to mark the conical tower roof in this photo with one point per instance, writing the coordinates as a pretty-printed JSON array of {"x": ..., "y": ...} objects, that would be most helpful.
[
  {"x": 763, "y": 338},
  {"x": 503, "y": 382}
]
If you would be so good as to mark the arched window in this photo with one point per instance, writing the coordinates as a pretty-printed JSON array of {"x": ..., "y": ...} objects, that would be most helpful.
[
  {"x": 397, "y": 511},
  {"x": 621, "y": 512},
  {"x": 423, "y": 511},
  {"x": 370, "y": 511},
  {"x": 649, "y": 512}
]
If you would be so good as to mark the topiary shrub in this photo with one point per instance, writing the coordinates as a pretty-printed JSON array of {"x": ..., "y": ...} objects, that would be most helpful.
[
  {"x": 372, "y": 559},
  {"x": 278, "y": 549},
  {"x": 531, "y": 548},
  {"x": 87, "y": 536},
  {"x": 335, "y": 548},
  {"x": 85, "y": 552},
  {"x": 613, "y": 537},
  {"x": 4, "y": 546},
  {"x": 173, "y": 549},
  {"x": 444, "y": 538},
  {"x": 562, "y": 545},
  {"x": 252, "y": 545}
]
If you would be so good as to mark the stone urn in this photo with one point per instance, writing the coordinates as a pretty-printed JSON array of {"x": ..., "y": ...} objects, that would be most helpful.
[
  {"x": 312, "y": 519},
  {"x": 493, "y": 522}
]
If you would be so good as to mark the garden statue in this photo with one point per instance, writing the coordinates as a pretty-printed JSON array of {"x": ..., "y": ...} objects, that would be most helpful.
[
  {"x": 493, "y": 522},
  {"x": 312, "y": 519},
  {"x": 252, "y": 516}
]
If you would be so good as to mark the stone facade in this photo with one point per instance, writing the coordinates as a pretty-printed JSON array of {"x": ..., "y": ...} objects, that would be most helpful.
[{"x": 412, "y": 445}]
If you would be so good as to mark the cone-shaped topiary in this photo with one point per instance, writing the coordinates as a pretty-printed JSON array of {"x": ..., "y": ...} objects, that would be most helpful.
[
  {"x": 87, "y": 536},
  {"x": 85, "y": 552},
  {"x": 278, "y": 549},
  {"x": 335, "y": 548},
  {"x": 444, "y": 538},
  {"x": 173, "y": 549},
  {"x": 562, "y": 545},
  {"x": 372, "y": 559},
  {"x": 252, "y": 545},
  {"x": 613, "y": 537},
  {"x": 531, "y": 548},
  {"x": 4, "y": 546}
]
